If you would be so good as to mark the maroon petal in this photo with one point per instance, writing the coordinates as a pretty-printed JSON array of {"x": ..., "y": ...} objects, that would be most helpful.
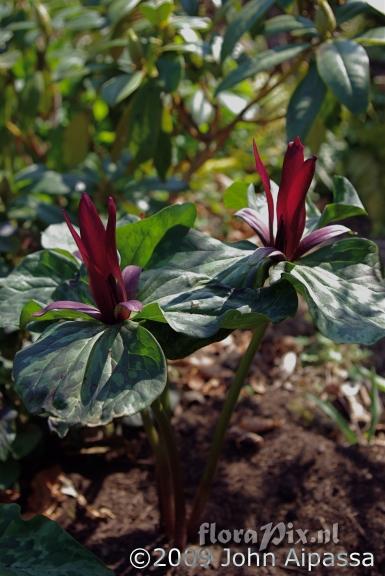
[
  {"x": 266, "y": 185},
  {"x": 295, "y": 216},
  {"x": 93, "y": 234},
  {"x": 251, "y": 217},
  {"x": 320, "y": 236},
  {"x": 70, "y": 305},
  {"x": 76, "y": 237},
  {"x": 292, "y": 163},
  {"x": 131, "y": 275},
  {"x": 123, "y": 309}
]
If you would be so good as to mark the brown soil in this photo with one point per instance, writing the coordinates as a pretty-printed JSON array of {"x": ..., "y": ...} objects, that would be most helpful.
[{"x": 277, "y": 467}]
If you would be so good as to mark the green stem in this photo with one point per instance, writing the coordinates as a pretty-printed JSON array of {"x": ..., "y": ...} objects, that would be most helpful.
[
  {"x": 167, "y": 435},
  {"x": 222, "y": 425},
  {"x": 165, "y": 490}
]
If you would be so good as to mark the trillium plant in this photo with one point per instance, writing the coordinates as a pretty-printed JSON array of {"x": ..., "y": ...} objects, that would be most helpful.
[{"x": 104, "y": 312}]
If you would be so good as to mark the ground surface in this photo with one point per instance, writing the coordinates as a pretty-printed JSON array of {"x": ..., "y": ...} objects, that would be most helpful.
[{"x": 281, "y": 464}]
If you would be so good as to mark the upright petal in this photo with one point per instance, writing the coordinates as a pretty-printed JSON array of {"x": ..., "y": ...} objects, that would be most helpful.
[
  {"x": 78, "y": 240},
  {"x": 295, "y": 215},
  {"x": 93, "y": 234},
  {"x": 266, "y": 185},
  {"x": 292, "y": 163}
]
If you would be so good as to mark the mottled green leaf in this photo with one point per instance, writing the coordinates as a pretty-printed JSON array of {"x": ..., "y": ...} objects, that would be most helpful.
[
  {"x": 305, "y": 104},
  {"x": 195, "y": 305},
  {"x": 244, "y": 20},
  {"x": 344, "y": 289},
  {"x": 42, "y": 276},
  {"x": 87, "y": 373},
  {"x": 40, "y": 547},
  {"x": 260, "y": 63},
  {"x": 344, "y": 67}
]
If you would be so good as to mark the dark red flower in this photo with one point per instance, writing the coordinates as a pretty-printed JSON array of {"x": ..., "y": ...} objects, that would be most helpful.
[
  {"x": 283, "y": 232},
  {"x": 113, "y": 290}
]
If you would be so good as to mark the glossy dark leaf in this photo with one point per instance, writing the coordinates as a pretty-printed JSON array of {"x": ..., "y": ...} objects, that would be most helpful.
[
  {"x": 87, "y": 373},
  {"x": 344, "y": 67},
  {"x": 305, "y": 104}
]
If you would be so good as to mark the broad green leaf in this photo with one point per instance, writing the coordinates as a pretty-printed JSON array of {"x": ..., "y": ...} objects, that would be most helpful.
[
  {"x": 344, "y": 289},
  {"x": 40, "y": 547},
  {"x": 42, "y": 276},
  {"x": 344, "y": 67},
  {"x": 137, "y": 241},
  {"x": 305, "y": 104},
  {"x": 297, "y": 25},
  {"x": 118, "y": 88},
  {"x": 260, "y": 63},
  {"x": 235, "y": 196},
  {"x": 243, "y": 22},
  {"x": 87, "y": 373},
  {"x": 346, "y": 203},
  {"x": 373, "y": 37}
]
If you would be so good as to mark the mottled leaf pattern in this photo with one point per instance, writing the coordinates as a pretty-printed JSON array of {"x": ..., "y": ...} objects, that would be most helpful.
[
  {"x": 88, "y": 373},
  {"x": 40, "y": 547},
  {"x": 344, "y": 289},
  {"x": 42, "y": 276}
]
